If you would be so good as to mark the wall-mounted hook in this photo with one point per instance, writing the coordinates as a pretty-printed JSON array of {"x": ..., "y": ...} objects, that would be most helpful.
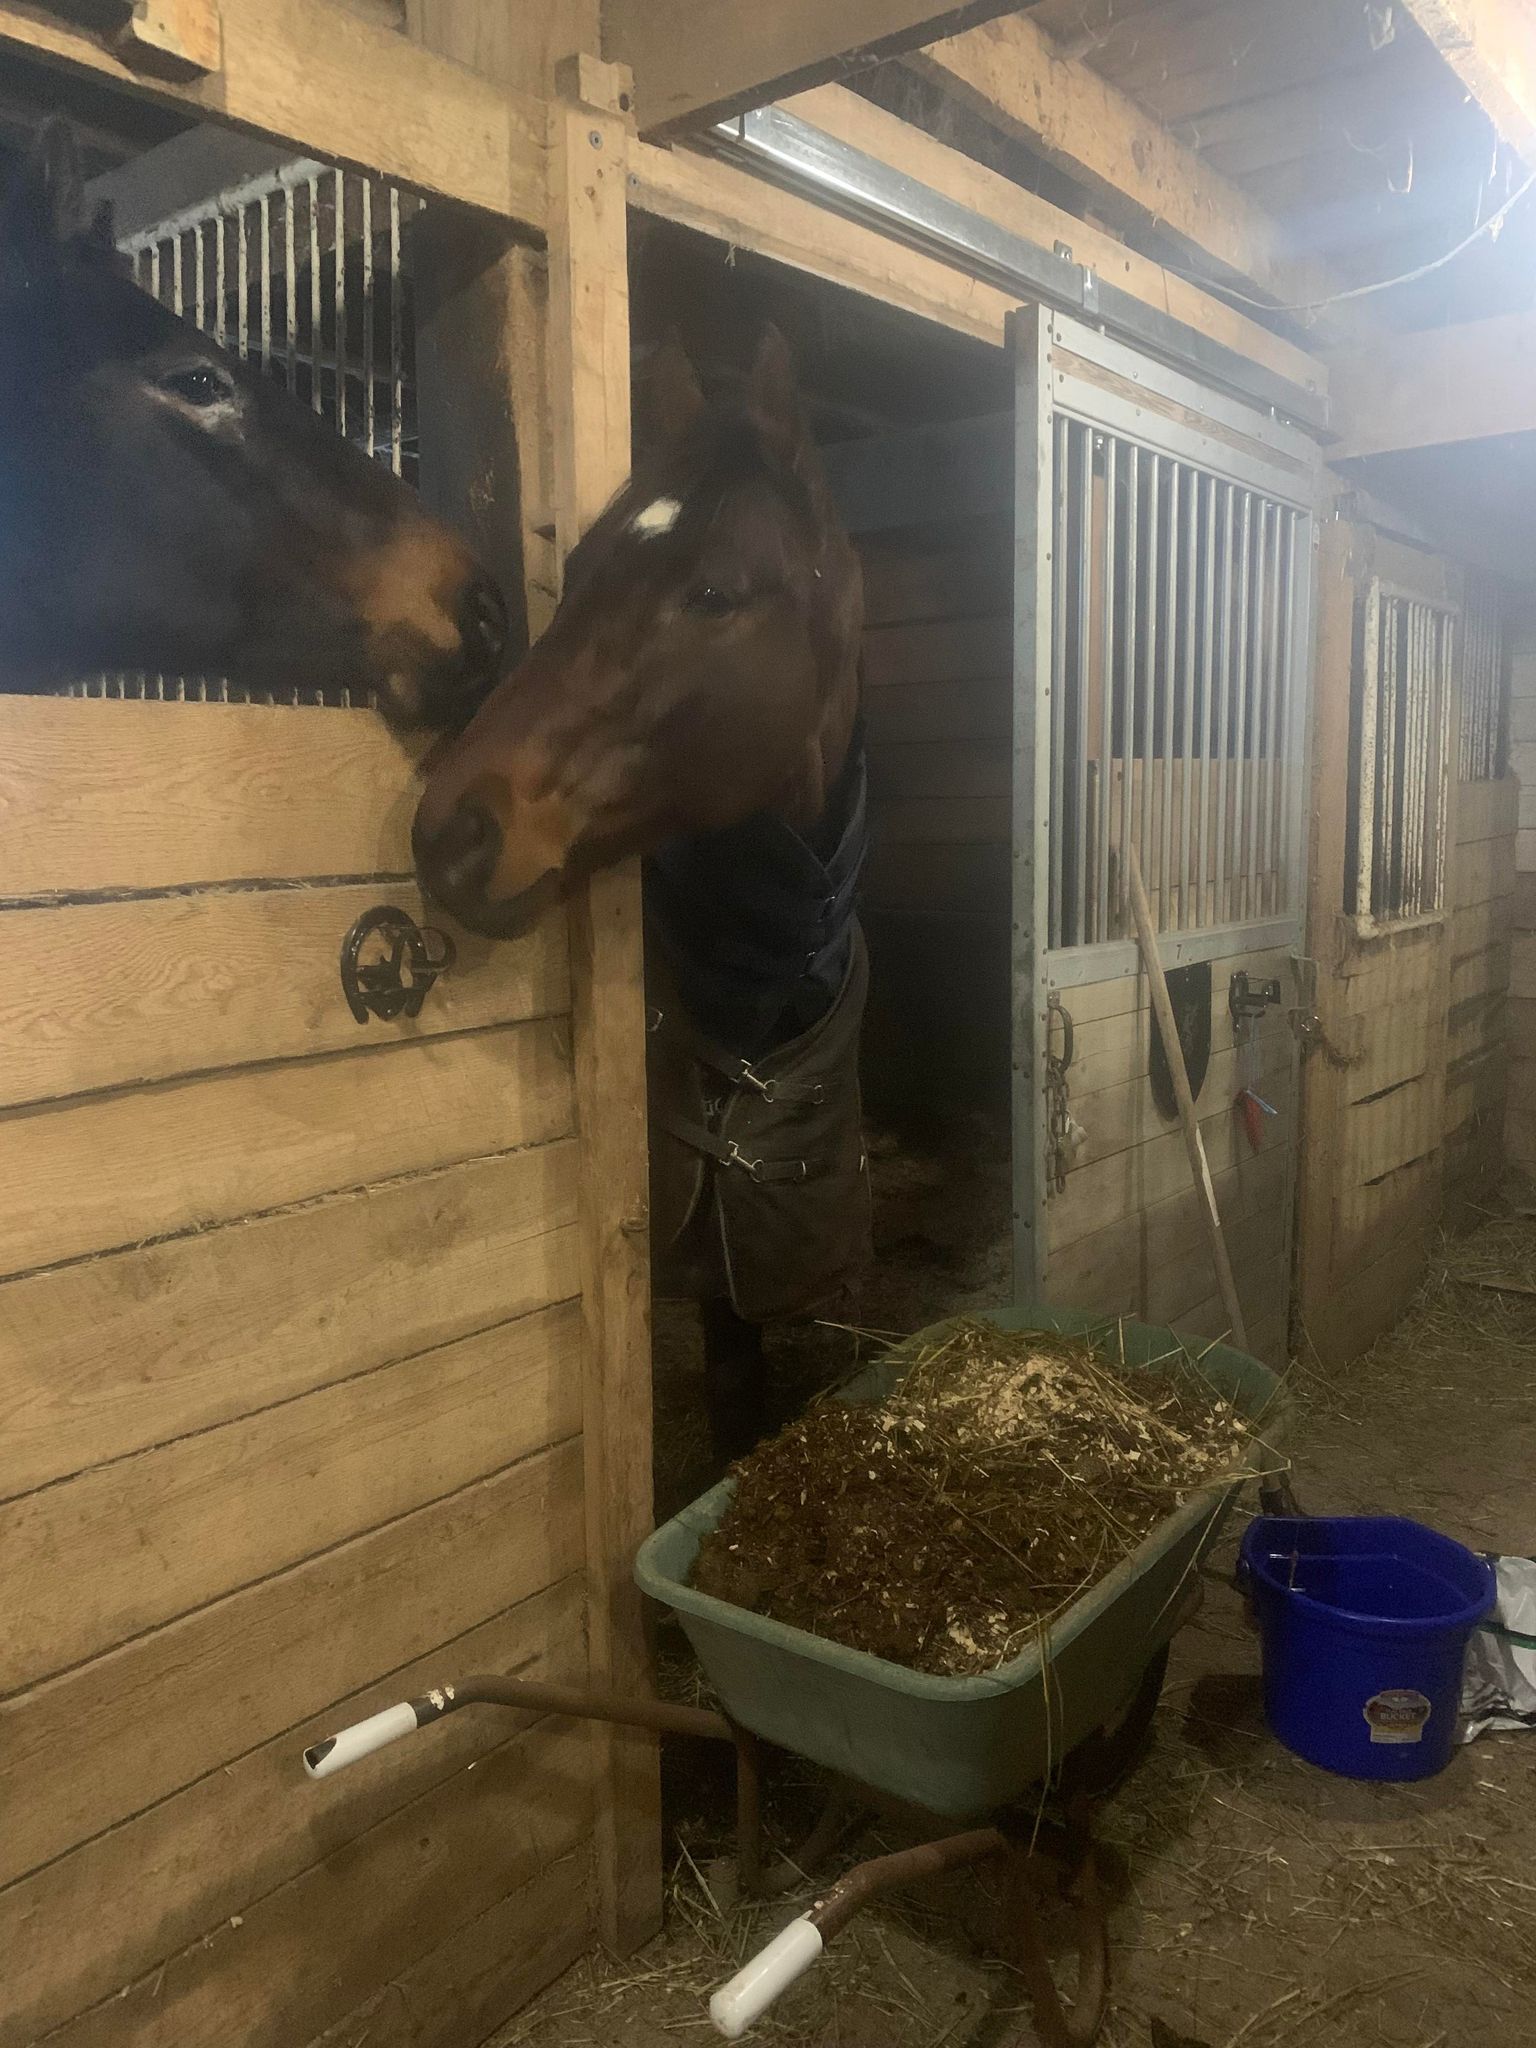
[{"x": 379, "y": 987}]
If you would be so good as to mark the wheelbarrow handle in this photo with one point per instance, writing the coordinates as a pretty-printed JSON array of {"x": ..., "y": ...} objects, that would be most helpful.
[{"x": 743, "y": 2001}]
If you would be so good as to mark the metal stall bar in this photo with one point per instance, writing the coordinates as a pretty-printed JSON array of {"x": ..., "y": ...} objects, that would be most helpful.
[
  {"x": 1128, "y": 670},
  {"x": 1054, "y": 819},
  {"x": 1189, "y": 895},
  {"x": 1153, "y": 480},
  {"x": 1034, "y": 621},
  {"x": 290, "y": 293},
  {"x": 1169, "y": 582},
  {"x": 316, "y": 393},
  {"x": 1370, "y": 694},
  {"x": 264, "y": 220},
  {"x": 1228, "y": 670},
  {"x": 1205, "y": 893},
  {"x": 396, "y": 339},
  {"x": 1106, "y": 689},
  {"x": 1081, "y": 835},
  {"x": 1242, "y": 683},
  {"x": 339, "y": 294},
  {"x": 366, "y": 196}
]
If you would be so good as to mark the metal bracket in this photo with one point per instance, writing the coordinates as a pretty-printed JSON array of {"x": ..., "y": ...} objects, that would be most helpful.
[
  {"x": 1250, "y": 999},
  {"x": 379, "y": 988}
]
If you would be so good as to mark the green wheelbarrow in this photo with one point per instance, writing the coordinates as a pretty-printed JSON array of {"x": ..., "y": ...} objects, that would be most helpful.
[{"x": 965, "y": 1758}]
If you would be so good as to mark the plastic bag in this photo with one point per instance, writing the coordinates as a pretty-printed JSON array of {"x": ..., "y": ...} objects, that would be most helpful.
[{"x": 1498, "y": 1688}]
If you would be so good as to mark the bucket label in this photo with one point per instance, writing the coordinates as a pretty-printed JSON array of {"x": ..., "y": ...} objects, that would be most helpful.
[{"x": 1397, "y": 1715}]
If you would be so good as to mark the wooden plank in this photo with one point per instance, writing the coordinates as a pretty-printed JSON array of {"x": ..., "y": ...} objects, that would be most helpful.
[
  {"x": 943, "y": 821},
  {"x": 1486, "y": 810},
  {"x": 87, "y": 1923},
  {"x": 1487, "y": 972},
  {"x": 1392, "y": 1129},
  {"x": 1472, "y": 1026},
  {"x": 108, "y": 1356},
  {"x": 939, "y": 878},
  {"x": 947, "y": 651},
  {"x": 1136, "y": 1264},
  {"x": 124, "y": 796},
  {"x": 732, "y": 205},
  {"x": 696, "y": 61},
  {"x": 1491, "y": 46},
  {"x": 100, "y": 995},
  {"x": 1137, "y": 1179},
  {"x": 1481, "y": 925},
  {"x": 1433, "y": 387},
  {"x": 864, "y": 126},
  {"x": 105, "y": 1556},
  {"x": 589, "y": 147},
  {"x": 1014, "y": 76},
  {"x": 946, "y": 768},
  {"x": 485, "y": 1972},
  {"x": 1378, "y": 1211},
  {"x": 951, "y": 583},
  {"x": 1119, "y": 1117},
  {"x": 903, "y": 712},
  {"x": 1521, "y": 1029},
  {"x": 1368, "y": 1300},
  {"x": 167, "y": 1709},
  {"x": 316, "y": 75},
  {"x": 1487, "y": 868},
  {"x": 114, "y": 1170},
  {"x": 305, "y": 1954}
]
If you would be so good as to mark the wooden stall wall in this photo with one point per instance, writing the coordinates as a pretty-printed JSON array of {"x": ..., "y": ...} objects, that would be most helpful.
[
  {"x": 1405, "y": 1073},
  {"x": 939, "y": 704},
  {"x": 290, "y": 1402},
  {"x": 1520, "y": 1119},
  {"x": 323, "y": 1349},
  {"x": 1125, "y": 1235}
]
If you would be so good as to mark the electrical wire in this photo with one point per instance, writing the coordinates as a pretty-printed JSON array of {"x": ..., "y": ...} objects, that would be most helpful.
[{"x": 1364, "y": 291}]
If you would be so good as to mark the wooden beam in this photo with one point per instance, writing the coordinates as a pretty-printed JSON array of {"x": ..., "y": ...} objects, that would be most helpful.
[
  {"x": 1491, "y": 47},
  {"x": 320, "y": 79},
  {"x": 736, "y": 207},
  {"x": 695, "y": 61},
  {"x": 838, "y": 112},
  {"x": 588, "y": 368},
  {"x": 1015, "y": 77},
  {"x": 1441, "y": 385}
]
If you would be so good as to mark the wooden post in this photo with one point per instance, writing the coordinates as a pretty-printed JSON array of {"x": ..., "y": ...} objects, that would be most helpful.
[
  {"x": 588, "y": 358},
  {"x": 1194, "y": 1144}
]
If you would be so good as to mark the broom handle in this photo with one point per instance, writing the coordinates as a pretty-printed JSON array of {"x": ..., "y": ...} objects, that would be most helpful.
[{"x": 1162, "y": 1005}]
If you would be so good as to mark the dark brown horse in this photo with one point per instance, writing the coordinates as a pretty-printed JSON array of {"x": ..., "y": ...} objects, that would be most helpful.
[
  {"x": 696, "y": 701},
  {"x": 165, "y": 508}
]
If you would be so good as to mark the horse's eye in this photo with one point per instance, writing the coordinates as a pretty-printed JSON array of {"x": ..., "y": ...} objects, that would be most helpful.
[
  {"x": 710, "y": 600},
  {"x": 200, "y": 385}
]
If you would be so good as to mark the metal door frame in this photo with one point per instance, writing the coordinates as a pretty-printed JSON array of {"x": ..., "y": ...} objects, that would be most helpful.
[{"x": 1063, "y": 366}]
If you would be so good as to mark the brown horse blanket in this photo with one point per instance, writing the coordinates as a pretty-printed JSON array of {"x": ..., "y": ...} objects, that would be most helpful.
[{"x": 756, "y": 974}]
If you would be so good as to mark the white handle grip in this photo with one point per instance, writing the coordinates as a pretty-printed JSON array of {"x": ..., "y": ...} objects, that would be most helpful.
[
  {"x": 361, "y": 1739},
  {"x": 735, "y": 2006}
]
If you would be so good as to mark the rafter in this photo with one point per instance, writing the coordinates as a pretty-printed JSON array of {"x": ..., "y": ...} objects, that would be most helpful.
[
  {"x": 1014, "y": 76},
  {"x": 1491, "y": 47},
  {"x": 695, "y": 61},
  {"x": 1429, "y": 389}
]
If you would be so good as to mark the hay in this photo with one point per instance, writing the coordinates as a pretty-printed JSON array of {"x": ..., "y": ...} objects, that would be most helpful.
[{"x": 943, "y": 1527}]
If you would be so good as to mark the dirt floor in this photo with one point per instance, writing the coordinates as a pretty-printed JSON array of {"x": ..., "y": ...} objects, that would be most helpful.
[{"x": 1258, "y": 1902}]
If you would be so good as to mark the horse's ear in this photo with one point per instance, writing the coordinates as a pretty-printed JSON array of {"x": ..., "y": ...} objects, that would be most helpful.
[
  {"x": 774, "y": 398},
  {"x": 45, "y": 208},
  {"x": 676, "y": 397}
]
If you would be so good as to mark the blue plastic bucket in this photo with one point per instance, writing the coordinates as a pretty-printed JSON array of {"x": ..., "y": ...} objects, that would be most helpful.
[{"x": 1364, "y": 1622}]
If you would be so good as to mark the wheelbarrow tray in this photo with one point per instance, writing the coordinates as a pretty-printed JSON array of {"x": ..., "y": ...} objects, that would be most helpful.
[{"x": 961, "y": 1747}]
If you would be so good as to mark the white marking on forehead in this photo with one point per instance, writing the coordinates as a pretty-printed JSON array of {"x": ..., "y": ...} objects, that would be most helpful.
[{"x": 659, "y": 517}]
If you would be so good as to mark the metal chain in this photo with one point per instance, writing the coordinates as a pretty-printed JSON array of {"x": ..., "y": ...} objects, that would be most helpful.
[{"x": 1062, "y": 1135}]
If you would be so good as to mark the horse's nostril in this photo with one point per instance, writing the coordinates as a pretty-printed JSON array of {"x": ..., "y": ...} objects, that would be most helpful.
[
  {"x": 485, "y": 622},
  {"x": 461, "y": 857}
]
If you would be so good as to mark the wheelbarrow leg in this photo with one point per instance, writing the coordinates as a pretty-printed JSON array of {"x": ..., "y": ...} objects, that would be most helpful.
[{"x": 1056, "y": 2023}]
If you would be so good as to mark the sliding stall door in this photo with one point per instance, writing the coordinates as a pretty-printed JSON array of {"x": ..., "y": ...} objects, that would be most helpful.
[{"x": 1164, "y": 539}]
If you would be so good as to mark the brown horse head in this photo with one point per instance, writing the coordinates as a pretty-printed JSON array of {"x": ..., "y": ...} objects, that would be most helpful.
[
  {"x": 164, "y": 507},
  {"x": 702, "y": 667}
]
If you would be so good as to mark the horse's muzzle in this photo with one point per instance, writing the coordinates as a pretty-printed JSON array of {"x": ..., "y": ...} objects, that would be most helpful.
[{"x": 457, "y": 864}]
